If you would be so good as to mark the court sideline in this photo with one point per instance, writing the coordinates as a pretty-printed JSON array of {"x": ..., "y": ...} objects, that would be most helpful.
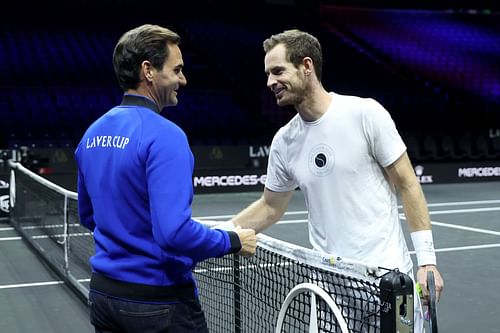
[{"x": 466, "y": 223}]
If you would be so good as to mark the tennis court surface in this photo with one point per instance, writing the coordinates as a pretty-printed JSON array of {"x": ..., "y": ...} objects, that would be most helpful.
[{"x": 466, "y": 224}]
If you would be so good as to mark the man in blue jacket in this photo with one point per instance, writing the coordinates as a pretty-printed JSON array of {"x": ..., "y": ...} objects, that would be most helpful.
[{"x": 135, "y": 192}]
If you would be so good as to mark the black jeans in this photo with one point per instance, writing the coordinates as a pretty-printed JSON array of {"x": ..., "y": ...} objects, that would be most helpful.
[{"x": 109, "y": 314}]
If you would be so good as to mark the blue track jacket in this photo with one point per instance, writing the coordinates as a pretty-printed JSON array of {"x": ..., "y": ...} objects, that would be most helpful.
[{"x": 135, "y": 192}]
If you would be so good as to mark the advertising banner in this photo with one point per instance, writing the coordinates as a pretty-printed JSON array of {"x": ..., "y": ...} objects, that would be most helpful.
[
  {"x": 230, "y": 157},
  {"x": 440, "y": 173},
  {"x": 220, "y": 169},
  {"x": 222, "y": 181}
]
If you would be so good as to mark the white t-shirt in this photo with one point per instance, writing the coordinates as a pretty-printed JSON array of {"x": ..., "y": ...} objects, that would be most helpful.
[{"x": 337, "y": 161}]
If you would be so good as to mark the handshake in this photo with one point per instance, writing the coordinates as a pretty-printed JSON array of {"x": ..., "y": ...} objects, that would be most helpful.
[{"x": 248, "y": 239}]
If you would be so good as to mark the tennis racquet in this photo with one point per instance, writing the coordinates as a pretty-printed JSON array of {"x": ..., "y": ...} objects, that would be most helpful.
[{"x": 432, "y": 302}]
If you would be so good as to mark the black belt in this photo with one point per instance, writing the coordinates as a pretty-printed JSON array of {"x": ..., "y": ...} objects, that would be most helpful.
[{"x": 142, "y": 292}]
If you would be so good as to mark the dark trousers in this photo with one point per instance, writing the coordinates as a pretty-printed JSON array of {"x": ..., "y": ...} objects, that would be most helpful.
[{"x": 112, "y": 315}]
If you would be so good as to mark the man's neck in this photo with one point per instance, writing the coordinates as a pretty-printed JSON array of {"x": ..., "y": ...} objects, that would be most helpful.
[
  {"x": 314, "y": 105},
  {"x": 141, "y": 91}
]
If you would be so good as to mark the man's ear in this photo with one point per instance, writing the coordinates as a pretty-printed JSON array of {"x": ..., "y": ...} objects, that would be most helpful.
[
  {"x": 308, "y": 66},
  {"x": 147, "y": 70}
]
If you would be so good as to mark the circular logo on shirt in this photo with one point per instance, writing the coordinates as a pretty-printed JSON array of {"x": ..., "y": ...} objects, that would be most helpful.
[{"x": 321, "y": 160}]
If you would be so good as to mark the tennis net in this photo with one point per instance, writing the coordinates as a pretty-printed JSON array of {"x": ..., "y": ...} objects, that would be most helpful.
[{"x": 277, "y": 286}]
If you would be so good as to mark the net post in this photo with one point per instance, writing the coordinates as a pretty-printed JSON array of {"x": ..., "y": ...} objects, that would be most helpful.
[
  {"x": 397, "y": 307},
  {"x": 237, "y": 293},
  {"x": 66, "y": 236}
]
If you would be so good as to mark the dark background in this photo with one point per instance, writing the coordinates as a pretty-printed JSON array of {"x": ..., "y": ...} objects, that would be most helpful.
[{"x": 433, "y": 64}]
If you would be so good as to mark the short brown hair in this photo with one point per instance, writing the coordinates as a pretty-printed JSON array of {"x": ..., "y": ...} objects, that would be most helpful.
[
  {"x": 146, "y": 42},
  {"x": 298, "y": 44}
]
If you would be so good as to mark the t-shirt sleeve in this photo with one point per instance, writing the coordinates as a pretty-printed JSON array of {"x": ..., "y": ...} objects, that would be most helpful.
[
  {"x": 385, "y": 142},
  {"x": 278, "y": 177}
]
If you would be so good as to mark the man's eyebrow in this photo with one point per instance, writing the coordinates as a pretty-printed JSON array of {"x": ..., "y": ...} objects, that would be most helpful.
[{"x": 274, "y": 68}]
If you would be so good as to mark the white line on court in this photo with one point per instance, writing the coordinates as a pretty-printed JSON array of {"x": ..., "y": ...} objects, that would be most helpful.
[
  {"x": 36, "y": 284},
  {"x": 468, "y": 210},
  {"x": 461, "y": 227},
  {"x": 302, "y": 212},
  {"x": 48, "y": 283},
  {"x": 215, "y": 217},
  {"x": 441, "y": 224},
  {"x": 291, "y": 221},
  {"x": 454, "y": 226},
  {"x": 47, "y": 236},
  {"x": 465, "y": 248},
  {"x": 9, "y": 238},
  {"x": 435, "y": 212},
  {"x": 461, "y": 203}
]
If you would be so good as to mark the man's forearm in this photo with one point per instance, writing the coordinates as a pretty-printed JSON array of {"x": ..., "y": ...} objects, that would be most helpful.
[
  {"x": 264, "y": 212},
  {"x": 258, "y": 216},
  {"x": 415, "y": 207},
  {"x": 417, "y": 216}
]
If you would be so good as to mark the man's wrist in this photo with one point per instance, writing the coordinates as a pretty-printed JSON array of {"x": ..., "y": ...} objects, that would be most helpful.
[{"x": 424, "y": 247}]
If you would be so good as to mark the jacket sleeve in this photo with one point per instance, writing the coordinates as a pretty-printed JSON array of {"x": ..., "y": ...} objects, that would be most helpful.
[
  {"x": 85, "y": 210},
  {"x": 169, "y": 167}
]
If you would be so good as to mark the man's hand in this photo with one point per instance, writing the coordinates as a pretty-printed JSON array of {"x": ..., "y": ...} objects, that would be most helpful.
[
  {"x": 248, "y": 241},
  {"x": 422, "y": 280}
]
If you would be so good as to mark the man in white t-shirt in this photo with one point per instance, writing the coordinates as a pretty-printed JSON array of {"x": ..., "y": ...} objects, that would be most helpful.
[{"x": 347, "y": 157}]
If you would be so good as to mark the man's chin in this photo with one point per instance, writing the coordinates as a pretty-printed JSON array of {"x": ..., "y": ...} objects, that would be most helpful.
[
  {"x": 281, "y": 102},
  {"x": 173, "y": 102}
]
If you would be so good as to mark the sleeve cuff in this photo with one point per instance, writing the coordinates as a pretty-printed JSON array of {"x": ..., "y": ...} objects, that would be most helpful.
[{"x": 235, "y": 243}]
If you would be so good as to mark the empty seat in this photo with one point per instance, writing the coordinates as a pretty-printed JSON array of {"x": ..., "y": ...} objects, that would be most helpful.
[
  {"x": 412, "y": 147},
  {"x": 430, "y": 148}
]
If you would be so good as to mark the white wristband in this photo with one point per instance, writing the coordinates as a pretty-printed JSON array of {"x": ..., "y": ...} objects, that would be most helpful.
[
  {"x": 227, "y": 226},
  {"x": 424, "y": 247}
]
